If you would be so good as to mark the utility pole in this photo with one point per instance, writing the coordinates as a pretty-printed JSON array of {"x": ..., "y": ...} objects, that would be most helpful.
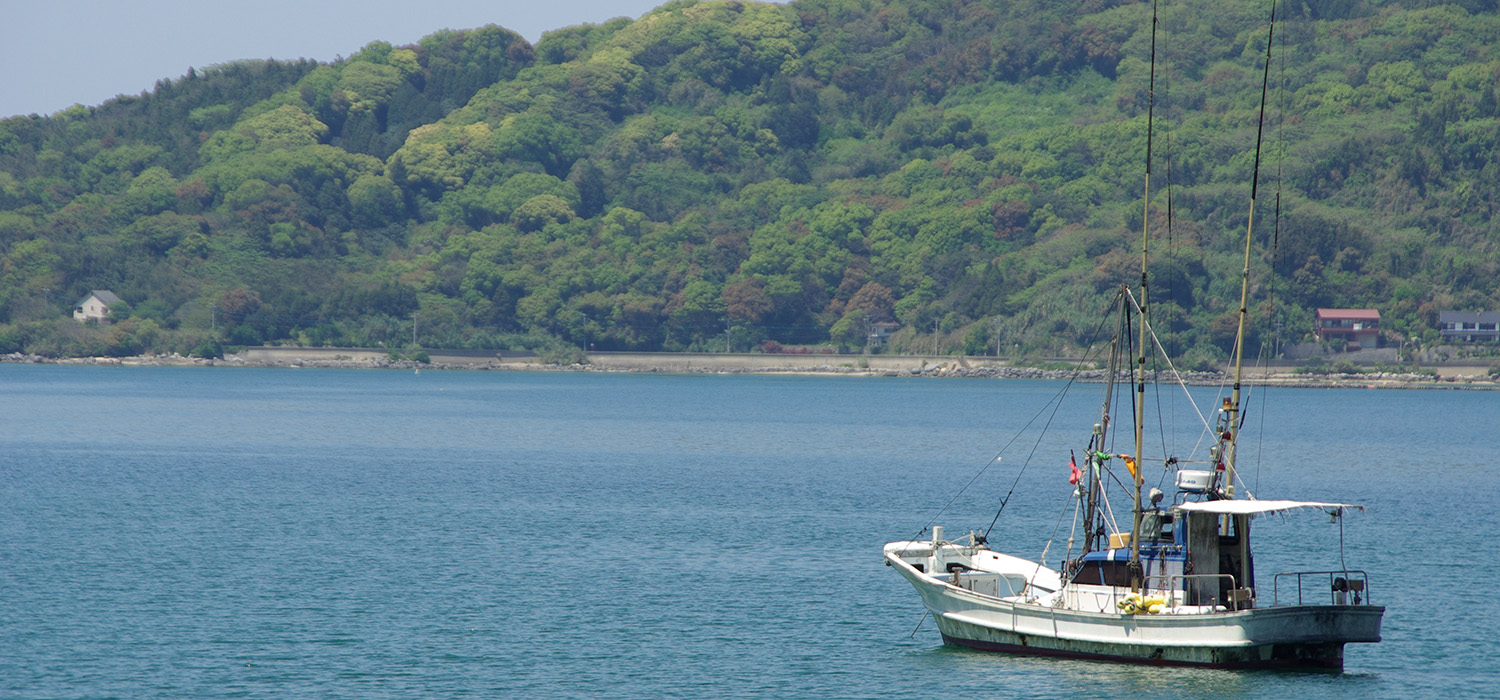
[
  {"x": 213, "y": 323},
  {"x": 414, "y": 329}
]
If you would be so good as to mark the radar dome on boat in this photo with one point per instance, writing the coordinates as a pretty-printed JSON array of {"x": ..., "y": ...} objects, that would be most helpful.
[{"x": 1194, "y": 480}]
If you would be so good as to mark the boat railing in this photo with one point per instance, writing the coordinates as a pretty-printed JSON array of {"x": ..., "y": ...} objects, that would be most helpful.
[
  {"x": 1175, "y": 586},
  {"x": 1343, "y": 586}
]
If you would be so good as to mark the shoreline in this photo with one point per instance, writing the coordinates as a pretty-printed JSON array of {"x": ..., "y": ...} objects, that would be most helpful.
[{"x": 765, "y": 364}]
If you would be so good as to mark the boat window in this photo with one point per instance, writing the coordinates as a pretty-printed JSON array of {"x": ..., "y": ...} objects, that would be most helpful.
[
  {"x": 1104, "y": 573},
  {"x": 1166, "y": 527},
  {"x": 1156, "y": 526}
]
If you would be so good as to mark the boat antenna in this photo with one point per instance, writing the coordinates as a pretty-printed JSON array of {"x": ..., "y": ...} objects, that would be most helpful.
[
  {"x": 1139, "y": 375},
  {"x": 1233, "y": 407}
]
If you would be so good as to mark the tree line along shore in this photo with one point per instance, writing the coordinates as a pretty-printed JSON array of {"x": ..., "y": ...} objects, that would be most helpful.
[
  {"x": 966, "y": 174},
  {"x": 1469, "y": 376}
]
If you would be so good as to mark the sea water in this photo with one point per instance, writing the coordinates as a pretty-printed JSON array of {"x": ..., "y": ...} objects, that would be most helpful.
[{"x": 217, "y": 533}]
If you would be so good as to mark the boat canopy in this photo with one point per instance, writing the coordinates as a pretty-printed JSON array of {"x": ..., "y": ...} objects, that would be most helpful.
[{"x": 1231, "y": 507}]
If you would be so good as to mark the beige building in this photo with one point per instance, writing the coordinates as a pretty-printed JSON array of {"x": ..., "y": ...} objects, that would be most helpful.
[{"x": 95, "y": 306}]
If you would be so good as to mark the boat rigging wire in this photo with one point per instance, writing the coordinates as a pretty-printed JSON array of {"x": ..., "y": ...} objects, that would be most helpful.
[
  {"x": 1176, "y": 374},
  {"x": 1161, "y": 423},
  {"x": 1077, "y": 500},
  {"x": 1271, "y": 315},
  {"x": 919, "y": 624},
  {"x": 1056, "y": 403}
]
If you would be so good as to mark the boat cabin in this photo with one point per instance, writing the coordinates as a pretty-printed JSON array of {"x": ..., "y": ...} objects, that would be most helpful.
[{"x": 1205, "y": 555}]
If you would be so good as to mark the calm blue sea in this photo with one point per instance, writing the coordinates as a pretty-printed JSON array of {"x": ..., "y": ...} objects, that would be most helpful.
[{"x": 219, "y": 533}]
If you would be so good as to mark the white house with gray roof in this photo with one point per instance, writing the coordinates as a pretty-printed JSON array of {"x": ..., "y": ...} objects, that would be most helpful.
[{"x": 95, "y": 306}]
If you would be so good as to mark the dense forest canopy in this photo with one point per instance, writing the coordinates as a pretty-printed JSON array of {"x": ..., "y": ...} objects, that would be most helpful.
[{"x": 741, "y": 172}]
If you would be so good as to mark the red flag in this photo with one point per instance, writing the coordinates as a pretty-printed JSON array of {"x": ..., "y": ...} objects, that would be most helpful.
[{"x": 1073, "y": 464}]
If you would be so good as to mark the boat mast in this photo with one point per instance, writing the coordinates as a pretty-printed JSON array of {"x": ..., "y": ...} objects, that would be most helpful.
[
  {"x": 1139, "y": 380},
  {"x": 1233, "y": 407},
  {"x": 1096, "y": 455}
]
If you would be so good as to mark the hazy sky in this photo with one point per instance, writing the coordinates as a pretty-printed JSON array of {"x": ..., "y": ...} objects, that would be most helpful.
[{"x": 57, "y": 53}]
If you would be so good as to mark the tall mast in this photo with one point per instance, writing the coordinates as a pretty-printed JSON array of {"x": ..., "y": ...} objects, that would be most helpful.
[
  {"x": 1139, "y": 379},
  {"x": 1233, "y": 409}
]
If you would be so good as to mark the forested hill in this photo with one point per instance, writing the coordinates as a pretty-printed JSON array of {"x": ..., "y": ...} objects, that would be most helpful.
[{"x": 972, "y": 170}]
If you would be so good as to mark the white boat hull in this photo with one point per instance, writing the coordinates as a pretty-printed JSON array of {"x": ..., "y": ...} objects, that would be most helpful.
[{"x": 1276, "y": 637}]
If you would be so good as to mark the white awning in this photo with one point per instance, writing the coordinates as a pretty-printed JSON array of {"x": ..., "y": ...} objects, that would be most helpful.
[{"x": 1257, "y": 507}]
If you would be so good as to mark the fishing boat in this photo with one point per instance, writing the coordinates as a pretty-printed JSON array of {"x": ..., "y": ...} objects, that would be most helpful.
[
  {"x": 1178, "y": 586},
  {"x": 1184, "y": 593}
]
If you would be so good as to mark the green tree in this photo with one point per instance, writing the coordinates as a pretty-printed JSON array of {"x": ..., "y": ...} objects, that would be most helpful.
[
  {"x": 852, "y": 330},
  {"x": 541, "y": 210},
  {"x": 375, "y": 201}
]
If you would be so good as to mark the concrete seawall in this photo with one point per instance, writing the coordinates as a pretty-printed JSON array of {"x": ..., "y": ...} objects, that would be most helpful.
[
  {"x": 627, "y": 361},
  {"x": 282, "y": 354},
  {"x": 1471, "y": 373},
  {"x": 729, "y": 362}
]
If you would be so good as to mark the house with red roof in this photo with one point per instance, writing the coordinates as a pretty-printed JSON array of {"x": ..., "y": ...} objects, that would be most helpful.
[{"x": 1360, "y": 328}]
